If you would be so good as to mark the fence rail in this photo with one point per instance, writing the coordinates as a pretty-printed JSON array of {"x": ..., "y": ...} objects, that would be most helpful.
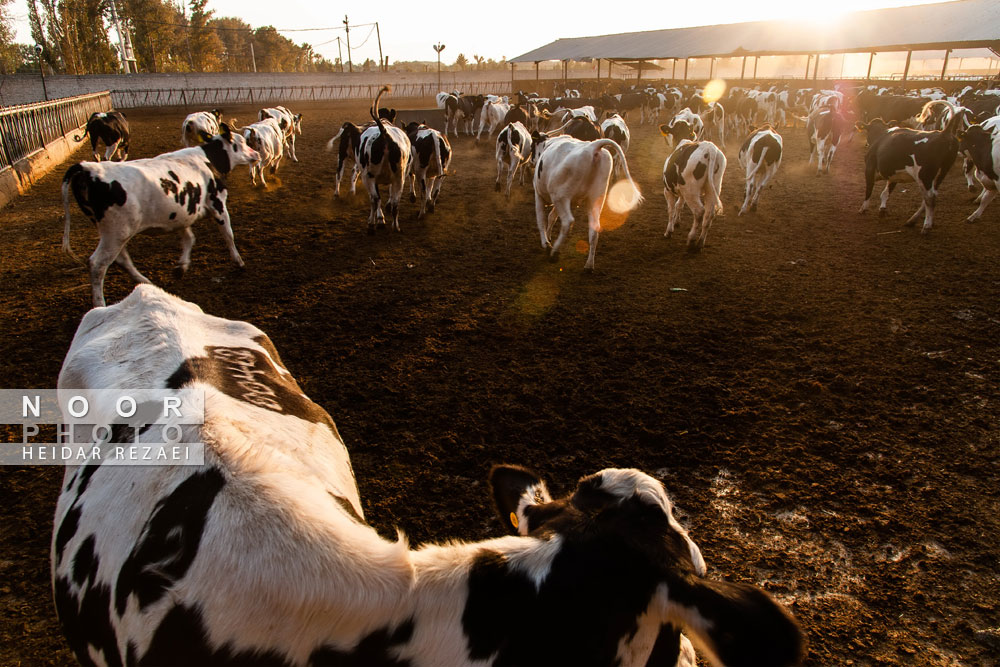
[
  {"x": 155, "y": 97},
  {"x": 28, "y": 128}
]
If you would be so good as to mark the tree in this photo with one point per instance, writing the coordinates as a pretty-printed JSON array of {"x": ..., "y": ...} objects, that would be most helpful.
[
  {"x": 206, "y": 47},
  {"x": 460, "y": 62},
  {"x": 479, "y": 61},
  {"x": 9, "y": 53}
]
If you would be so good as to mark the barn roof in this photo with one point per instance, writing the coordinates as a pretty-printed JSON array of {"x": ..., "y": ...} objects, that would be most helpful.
[{"x": 944, "y": 25}]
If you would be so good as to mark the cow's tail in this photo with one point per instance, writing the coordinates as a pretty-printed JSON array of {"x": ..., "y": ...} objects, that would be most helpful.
[
  {"x": 628, "y": 200},
  {"x": 84, "y": 135},
  {"x": 67, "y": 182},
  {"x": 757, "y": 165},
  {"x": 330, "y": 144},
  {"x": 374, "y": 110},
  {"x": 437, "y": 153},
  {"x": 713, "y": 200}
]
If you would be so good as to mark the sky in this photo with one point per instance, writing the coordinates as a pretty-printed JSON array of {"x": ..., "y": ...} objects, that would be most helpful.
[{"x": 491, "y": 31}]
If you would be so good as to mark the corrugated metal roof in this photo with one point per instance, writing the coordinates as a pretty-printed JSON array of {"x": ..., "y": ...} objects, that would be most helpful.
[{"x": 960, "y": 24}]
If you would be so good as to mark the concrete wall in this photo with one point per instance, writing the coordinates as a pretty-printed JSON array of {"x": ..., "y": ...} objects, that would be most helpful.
[
  {"x": 27, "y": 88},
  {"x": 24, "y": 173}
]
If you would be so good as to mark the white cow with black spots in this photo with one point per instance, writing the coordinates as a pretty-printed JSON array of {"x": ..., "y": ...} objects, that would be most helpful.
[
  {"x": 513, "y": 153},
  {"x": 290, "y": 124},
  {"x": 430, "y": 156},
  {"x": 568, "y": 170},
  {"x": 695, "y": 169},
  {"x": 384, "y": 154},
  {"x": 199, "y": 124},
  {"x": 171, "y": 191},
  {"x": 267, "y": 139},
  {"x": 263, "y": 555},
  {"x": 760, "y": 157}
]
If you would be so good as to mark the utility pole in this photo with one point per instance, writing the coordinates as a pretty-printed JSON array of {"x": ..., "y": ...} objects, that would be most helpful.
[
  {"x": 124, "y": 42},
  {"x": 439, "y": 48},
  {"x": 380, "y": 58},
  {"x": 253, "y": 56},
  {"x": 38, "y": 56},
  {"x": 340, "y": 56},
  {"x": 347, "y": 31}
]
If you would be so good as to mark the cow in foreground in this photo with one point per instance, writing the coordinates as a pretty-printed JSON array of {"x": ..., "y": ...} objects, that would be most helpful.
[
  {"x": 430, "y": 157},
  {"x": 567, "y": 170},
  {"x": 168, "y": 192},
  {"x": 983, "y": 147},
  {"x": 513, "y": 154},
  {"x": 290, "y": 124},
  {"x": 200, "y": 124},
  {"x": 111, "y": 127},
  {"x": 262, "y": 555},
  {"x": 384, "y": 153},
  {"x": 693, "y": 170},
  {"x": 903, "y": 155},
  {"x": 266, "y": 138},
  {"x": 760, "y": 157}
]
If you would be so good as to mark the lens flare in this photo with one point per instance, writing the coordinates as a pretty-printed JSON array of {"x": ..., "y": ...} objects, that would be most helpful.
[
  {"x": 714, "y": 90},
  {"x": 623, "y": 197}
]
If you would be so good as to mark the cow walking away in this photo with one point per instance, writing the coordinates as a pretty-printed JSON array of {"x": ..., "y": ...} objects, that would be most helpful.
[
  {"x": 348, "y": 141},
  {"x": 430, "y": 157},
  {"x": 695, "y": 169},
  {"x": 513, "y": 153},
  {"x": 760, "y": 157},
  {"x": 384, "y": 153},
  {"x": 290, "y": 124},
  {"x": 266, "y": 138},
  {"x": 111, "y": 127},
  {"x": 263, "y": 554},
  {"x": 168, "y": 192}
]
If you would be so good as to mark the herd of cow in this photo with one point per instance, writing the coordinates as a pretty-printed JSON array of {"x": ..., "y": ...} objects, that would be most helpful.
[{"x": 263, "y": 556}]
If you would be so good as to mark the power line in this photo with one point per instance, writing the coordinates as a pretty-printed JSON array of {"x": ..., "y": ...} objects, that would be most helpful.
[{"x": 209, "y": 27}]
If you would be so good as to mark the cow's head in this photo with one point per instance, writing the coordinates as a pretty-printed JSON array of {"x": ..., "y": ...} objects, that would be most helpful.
[
  {"x": 618, "y": 525},
  {"x": 387, "y": 114},
  {"x": 297, "y": 123},
  {"x": 875, "y": 129},
  {"x": 218, "y": 114},
  {"x": 976, "y": 140},
  {"x": 538, "y": 140},
  {"x": 676, "y": 131},
  {"x": 227, "y": 150}
]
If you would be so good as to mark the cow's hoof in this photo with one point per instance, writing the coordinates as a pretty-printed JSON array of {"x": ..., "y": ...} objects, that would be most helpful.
[
  {"x": 371, "y": 230},
  {"x": 924, "y": 230},
  {"x": 430, "y": 207},
  {"x": 753, "y": 207},
  {"x": 882, "y": 212},
  {"x": 496, "y": 187},
  {"x": 179, "y": 271},
  {"x": 972, "y": 188},
  {"x": 972, "y": 219},
  {"x": 413, "y": 198},
  {"x": 588, "y": 270}
]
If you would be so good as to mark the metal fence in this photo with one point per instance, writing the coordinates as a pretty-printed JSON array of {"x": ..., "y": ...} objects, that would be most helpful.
[
  {"x": 157, "y": 97},
  {"x": 28, "y": 128}
]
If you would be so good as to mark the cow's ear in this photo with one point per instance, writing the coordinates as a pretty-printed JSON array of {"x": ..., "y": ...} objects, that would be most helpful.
[
  {"x": 205, "y": 136},
  {"x": 515, "y": 488},
  {"x": 226, "y": 132}
]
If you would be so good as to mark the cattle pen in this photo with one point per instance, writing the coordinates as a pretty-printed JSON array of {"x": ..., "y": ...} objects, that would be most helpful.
[{"x": 817, "y": 389}]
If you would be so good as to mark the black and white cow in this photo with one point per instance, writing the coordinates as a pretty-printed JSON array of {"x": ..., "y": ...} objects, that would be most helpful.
[
  {"x": 513, "y": 154},
  {"x": 199, "y": 124},
  {"x": 982, "y": 145},
  {"x": 267, "y": 139},
  {"x": 685, "y": 125},
  {"x": 463, "y": 108},
  {"x": 384, "y": 154},
  {"x": 263, "y": 556},
  {"x": 694, "y": 169},
  {"x": 614, "y": 127},
  {"x": 825, "y": 128},
  {"x": 430, "y": 156},
  {"x": 111, "y": 127},
  {"x": 171, "y": 191},
  {"x": 760, "y": 157},
  {"x": 714, "y": 124},
  {"x": 349, "y": 139},
  {"x": 904, "y": 155},
  {"x": 290, "y": 124},
  {"x": 567, "y": 170}
]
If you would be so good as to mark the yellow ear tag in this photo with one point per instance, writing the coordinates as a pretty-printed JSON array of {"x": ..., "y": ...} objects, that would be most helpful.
[{"x": 513, "y": 519}]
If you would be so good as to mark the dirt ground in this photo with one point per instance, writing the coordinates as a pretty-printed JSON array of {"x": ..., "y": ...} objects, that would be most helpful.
[{"x": 817, "y": 389}]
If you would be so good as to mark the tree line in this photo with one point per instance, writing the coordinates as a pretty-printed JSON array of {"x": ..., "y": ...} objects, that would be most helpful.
[{"x": 80, "y": 37}]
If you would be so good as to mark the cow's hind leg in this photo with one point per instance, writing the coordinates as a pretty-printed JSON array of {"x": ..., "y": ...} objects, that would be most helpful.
[
  {"x": 105, "y": 253},
  {"x": 593, "y": 232},
  {"x": 540, "y": 219},
  {"x": 698, "y": 211},
  {"x": 112, "y": 149},
  {"x": 989, "y": 194},
  {"x": 125, "y": 261},
  {"x": 226, "y": 229},
  {"x": 565, "y": 211},
  {"x": 187, "y": 242}
]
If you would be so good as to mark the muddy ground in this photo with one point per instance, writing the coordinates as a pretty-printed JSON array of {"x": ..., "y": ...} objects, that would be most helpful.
[{"x": 817, "y": 389}]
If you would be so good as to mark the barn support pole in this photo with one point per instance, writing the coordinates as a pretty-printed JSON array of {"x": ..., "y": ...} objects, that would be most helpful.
[
  {"x": 743, "y": 70},
  {"x": 756, "y": 59},
  {"x": 638, "y": 71},
  {"x": 686, "y": 61},
  {"x": 711, "y": 69},
  {"x": 808, "y": 62},
  {"x": 673, "y": 72},
  {"x": 816, "y": 67},
  {"x": 871, "y": 59},
  {"x": 512, "y": 88},
  {"x": 536, "y": 70},
  {"x": 565, "y": 72},
  {"x": 944, "y": 69},
  {"x": 906, "y": 68}
]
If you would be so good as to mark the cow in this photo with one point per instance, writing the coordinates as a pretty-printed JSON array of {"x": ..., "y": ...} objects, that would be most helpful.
[
  {"x": 526, "y": 114},
  {"x": 491, "y": 117},
  {"x": 982, "y": 145},
  {"x": 695, "y": 168},
  {"x": 582, "y": 128},
  {"x": 684, "y": 125},
  {"x": 513, "y": 153},
  {"x": 568, "y": 169},
  {"x": 430, "y": 157},
  {"x": 111, "y": 127},
  {"x": 991, "y": 125},
  {"x": 262, "y": 554},
  {"x": 171, "y": 191},
  {"x": 384, "y": 154},
  {"x": 714, "y": 123},
  {"x": 825, "y": 129},
  {"x": 199, "y": 124},
  {"x": 614, "y": 127},
  {"x": 462, "y": 108},
  {"x": 266, "y": 138},
  {"x": 903, "y": 155},
  {"x": 348, "y": 142},
  {"x": 760, "y": 157},
  {"x": 290, "y": 124}
]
